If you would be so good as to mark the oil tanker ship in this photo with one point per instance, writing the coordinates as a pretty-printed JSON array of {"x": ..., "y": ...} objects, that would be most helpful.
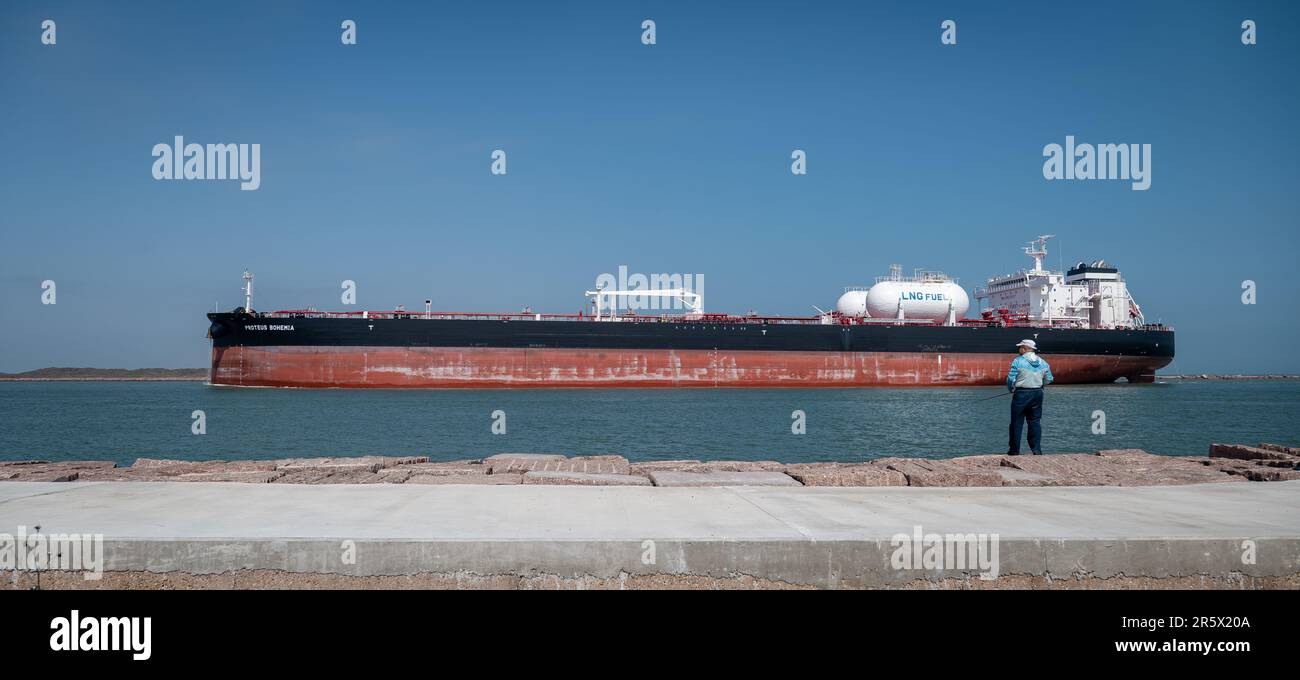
[{"x": 901, "y": 331}]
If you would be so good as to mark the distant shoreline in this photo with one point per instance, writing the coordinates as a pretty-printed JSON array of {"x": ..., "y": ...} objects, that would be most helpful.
[
  {"x": 107, "y": 374},
  {"x": 9, "y": 379}
]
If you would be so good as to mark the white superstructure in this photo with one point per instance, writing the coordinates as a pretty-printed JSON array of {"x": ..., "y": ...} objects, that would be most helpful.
[{"x": 1089, "y": 295}]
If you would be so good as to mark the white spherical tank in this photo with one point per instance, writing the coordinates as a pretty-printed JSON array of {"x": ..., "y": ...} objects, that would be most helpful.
[
  {"x": 918, "y": 299},
  {"x": 852, "y": 303}
]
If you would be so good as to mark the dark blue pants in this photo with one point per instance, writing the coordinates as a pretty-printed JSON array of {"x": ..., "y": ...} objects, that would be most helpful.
[{"x": 1027, "y": 404}]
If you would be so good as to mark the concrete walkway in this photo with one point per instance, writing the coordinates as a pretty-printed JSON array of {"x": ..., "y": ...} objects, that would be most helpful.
[{"x": 825, "y": 537}]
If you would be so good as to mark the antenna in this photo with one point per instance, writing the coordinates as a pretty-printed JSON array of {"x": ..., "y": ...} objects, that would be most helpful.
[
  {"x": 248, "y": 291},
  {"x": 1037, "y": 249}
]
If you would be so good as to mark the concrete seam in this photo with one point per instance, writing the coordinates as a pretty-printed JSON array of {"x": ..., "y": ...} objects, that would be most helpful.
[
  {"x": 47, "y": 493},
  {"x": 761, "y": 509}
]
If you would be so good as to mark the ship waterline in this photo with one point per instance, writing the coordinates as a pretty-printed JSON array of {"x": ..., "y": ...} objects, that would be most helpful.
[{"x": 480, "y": 367}]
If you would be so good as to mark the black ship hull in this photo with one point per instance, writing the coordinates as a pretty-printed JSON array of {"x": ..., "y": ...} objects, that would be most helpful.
[{"x": 407, "y": 350}]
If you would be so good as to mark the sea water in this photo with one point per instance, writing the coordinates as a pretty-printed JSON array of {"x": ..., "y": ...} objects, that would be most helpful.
[{"x": 122, "y": 421}]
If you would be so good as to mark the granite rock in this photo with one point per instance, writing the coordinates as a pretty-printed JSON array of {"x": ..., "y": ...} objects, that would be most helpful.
[
  {"x": 645, "y": 467},
  {"x": 931, "y": 472},
  {"x": 584, "y": 479},
  {"x": 1119, "y": 467},
  {"x": 348, "y": 464},
  {"x": 167, "y": 468},
  {"x": 251, "y": 477},
  {"x": 837, "y": 474},
  {"x": 447, "y": 469},
  {"x": 709, "y": 466},
  {"x": 1243, "y": 452},
  {"x": 501, "y": 478},
  {"x": 47, "y": 471},
  {"x": 1109, "y": 467},
  {"x": 722, "y": 478},
  {"x": 612, "y": 465}
]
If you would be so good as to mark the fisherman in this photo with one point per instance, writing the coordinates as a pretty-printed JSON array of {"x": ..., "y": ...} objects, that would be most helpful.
[{"x": 1029, "y": 373}]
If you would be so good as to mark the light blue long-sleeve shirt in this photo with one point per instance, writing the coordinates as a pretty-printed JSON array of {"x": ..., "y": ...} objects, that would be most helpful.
[{"x": 1029, "y": 373}]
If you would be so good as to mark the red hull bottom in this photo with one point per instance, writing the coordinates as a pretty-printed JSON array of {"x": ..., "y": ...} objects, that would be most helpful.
[{"x": 443, "y": 367}]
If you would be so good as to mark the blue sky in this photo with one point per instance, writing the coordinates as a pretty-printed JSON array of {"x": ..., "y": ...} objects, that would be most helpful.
[{"x": 666, "y": 158}]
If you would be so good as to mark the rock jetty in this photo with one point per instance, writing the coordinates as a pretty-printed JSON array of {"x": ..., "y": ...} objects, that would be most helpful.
[{"x": 1111, "y": 467}]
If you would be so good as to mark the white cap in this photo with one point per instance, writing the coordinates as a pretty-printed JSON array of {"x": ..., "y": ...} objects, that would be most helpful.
[{"x": 1027, "y": 343}]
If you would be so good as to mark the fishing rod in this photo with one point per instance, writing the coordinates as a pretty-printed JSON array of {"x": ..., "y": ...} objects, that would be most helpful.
[{"x": 996, "y": 396}]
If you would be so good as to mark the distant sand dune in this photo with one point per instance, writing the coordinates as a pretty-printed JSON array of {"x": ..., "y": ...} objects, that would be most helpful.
[{"x": 109, "y": 374}]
